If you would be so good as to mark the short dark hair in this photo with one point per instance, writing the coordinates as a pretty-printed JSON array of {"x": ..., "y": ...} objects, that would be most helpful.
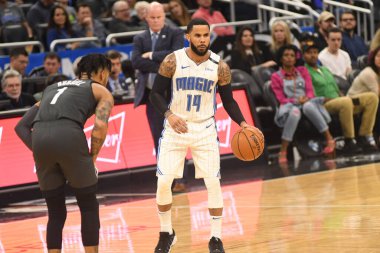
[
  {"x": 281, "y": 50},
  {"x": 346, "y": 12},
  {"x": 92, "y": 63},
  {"x": 333, "y": 30},
  {"x": 82, "y": 5},
  {"x": 113, "y": 54},
  {"x": 196, "y": 21},
  {"x": 17, "y": 51},
  {"x": 52, "y": 55}
]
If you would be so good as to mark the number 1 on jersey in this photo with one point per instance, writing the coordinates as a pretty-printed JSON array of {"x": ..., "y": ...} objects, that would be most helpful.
[
  {"x": 193, "y": 101},
  {"x": 59, "y": 93}
]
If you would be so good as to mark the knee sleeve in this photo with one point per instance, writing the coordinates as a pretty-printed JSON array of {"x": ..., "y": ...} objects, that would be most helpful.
[
  {"x": 215, "y": 196},
  {"x": 57, "y": 217},
  {"x": 90, "y": 223},
  {"x": 164, "y": 191}
]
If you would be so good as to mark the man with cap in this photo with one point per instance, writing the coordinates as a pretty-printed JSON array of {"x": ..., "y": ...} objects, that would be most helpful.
[
  {"x": 326, "y": 21},
  {"x": 345, "y": 107}
]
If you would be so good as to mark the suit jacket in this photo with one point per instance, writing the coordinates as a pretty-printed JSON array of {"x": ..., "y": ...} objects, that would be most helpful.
[{"x": 169, "y": 40}]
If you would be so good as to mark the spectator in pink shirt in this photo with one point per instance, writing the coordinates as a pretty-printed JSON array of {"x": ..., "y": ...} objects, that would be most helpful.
[
  {"x": 206, "y": 12},
  {"x": 293, "y": 89}
]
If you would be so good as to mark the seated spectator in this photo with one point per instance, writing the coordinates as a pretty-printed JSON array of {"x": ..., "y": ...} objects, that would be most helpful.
[
  {"x": 11, "y": 89},
  {"x": 69, "y": 9},
  {"x": 345, "y": 107},
  {"x": 87, "y": 26},
  {"x": 246, "y": 53},
  {"x": 19, "y": 60},
  {"x": 293, "y": 89},
  {"x": 39, "y": 13},
  {"x": 206, "y": 12},
  {"x": 326, "y": 21},
  {"x": 141, "y": 10},
  {"x": 369, "y": 77},
  {"x": 122, "y": 22},
  {"x": 353, "y": 44},
  {"x": 59, "y": 27},
  {"x": 99, "y": 8},
  {"x": 334, "y": 58},
  {"x": 10, "y": 15},
  {"x": 117, "y": 84},
  {"x": 52, "y": 64},
  {"x": 179, "y": 13},
  {"x": 281, "y": 36}
]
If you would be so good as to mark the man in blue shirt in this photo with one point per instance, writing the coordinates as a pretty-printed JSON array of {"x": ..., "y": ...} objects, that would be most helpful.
[{"x": 353, "y": 44}]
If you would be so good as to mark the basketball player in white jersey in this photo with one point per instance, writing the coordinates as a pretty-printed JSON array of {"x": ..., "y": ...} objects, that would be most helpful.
[{"x": 193, "y": 74}]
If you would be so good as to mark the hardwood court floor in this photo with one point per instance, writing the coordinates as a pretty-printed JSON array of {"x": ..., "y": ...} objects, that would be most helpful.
[{"x": 332, "y": 211}]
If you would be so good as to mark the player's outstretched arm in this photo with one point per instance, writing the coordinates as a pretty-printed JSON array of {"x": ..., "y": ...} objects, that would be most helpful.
[
  {"x": 225, "y": 91},
  {"x": 157, "y": 95},
  {"x": 23, "y": 128},
  {"x": 102, "y": 114}
]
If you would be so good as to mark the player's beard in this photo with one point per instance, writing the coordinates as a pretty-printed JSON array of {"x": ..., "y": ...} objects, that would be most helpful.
[{"x": 198, "y": 52}]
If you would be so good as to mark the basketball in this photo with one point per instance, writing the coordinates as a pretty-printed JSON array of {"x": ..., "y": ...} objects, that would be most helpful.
[{"x": 247, "y": 145}]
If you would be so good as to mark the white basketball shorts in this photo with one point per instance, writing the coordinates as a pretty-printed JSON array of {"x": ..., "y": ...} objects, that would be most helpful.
[{"x": 201, "y": 139}]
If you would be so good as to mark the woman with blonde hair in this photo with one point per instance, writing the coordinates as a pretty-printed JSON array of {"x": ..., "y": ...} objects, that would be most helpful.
[
  {"x": 281, "y": 35},
  {"x": 179, "y": 13}
]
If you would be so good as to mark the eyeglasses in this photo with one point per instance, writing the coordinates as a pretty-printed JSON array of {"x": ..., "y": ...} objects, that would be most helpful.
[
  {"x": 348, "y": 19},
  {"x": 122, "y": 10}
]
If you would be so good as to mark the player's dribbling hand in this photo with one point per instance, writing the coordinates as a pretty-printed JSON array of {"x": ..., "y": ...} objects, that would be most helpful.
[
  {"x": 177, "y": 123},
  {"x": 247, "y": 126}
]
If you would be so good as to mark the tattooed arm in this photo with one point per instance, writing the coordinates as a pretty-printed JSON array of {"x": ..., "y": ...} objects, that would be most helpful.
[
  {"x": 225, "y": 91},
  {"x": 162, "y": 83},
  {"x": 102, "y": 113}
]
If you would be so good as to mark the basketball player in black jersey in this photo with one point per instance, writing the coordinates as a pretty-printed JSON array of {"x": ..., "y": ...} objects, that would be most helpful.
[{"x": 60, "y": 147}]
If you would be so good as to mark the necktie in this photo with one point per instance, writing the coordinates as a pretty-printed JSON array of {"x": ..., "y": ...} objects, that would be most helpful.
[{"x": 152, "y": 76}]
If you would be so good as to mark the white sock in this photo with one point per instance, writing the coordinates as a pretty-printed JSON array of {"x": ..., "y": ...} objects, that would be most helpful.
[
  {"x": 166, "y": 221},
  {"x": 216, "y": 226}
]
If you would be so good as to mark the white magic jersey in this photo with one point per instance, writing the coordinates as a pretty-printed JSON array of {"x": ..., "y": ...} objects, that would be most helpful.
[{"x": 194, "y": 87}]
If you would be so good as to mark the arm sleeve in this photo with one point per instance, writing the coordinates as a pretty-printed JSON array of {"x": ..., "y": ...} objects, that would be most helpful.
[
  {"x": 24, "y": 127},
  {"x": 230, "y": 104},
  {"x": 157, "y": 94}
]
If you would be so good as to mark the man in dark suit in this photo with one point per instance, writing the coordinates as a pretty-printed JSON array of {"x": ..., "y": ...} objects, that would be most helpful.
[{"x": 149, "y": 50}]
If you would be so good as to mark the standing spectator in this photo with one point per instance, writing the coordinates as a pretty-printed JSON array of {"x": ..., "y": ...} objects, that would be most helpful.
[
  {"x": 19, "y": 60},
  {"x": 326, "y": 21},
  {"x": 149, "y": 50},
  {"x": 334, "y": 58},
  {"x": 11, "y": 89},
  {"x": 87, "y": 26},
  {"x": 59, "y": 27},
  {"x": 206, "y": 12},
  {"x": 337, "y": 103},
  {"x": 117, "y": 84},
  {"x": 39, "y": 13},
  {"x": 179, "y": 13},
  {"x": 353, "y": 44},
  {"x": 293, "y": 89},
  {"x": 10, "y": 15},
  {"x": 246, "y": 53},
  {"x": 121, "y": 21},
  {"x": 52, "y": 64}
]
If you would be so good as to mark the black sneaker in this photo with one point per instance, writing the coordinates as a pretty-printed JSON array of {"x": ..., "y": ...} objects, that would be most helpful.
[
  {"x": 351, "y": 148},
  {"x": 166, "y": 242},
  {"x": 368, "y": 144},
  {"x": 215, "y": 245}
]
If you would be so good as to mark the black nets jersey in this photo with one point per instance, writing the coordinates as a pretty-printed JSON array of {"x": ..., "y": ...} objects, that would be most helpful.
[{"x": 72, "y": 99}]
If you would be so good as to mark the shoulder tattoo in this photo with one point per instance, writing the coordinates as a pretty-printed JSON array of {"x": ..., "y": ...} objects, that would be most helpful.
[
  {"x": 224, "y": 73},
  {"x": 167, "y": 67}
]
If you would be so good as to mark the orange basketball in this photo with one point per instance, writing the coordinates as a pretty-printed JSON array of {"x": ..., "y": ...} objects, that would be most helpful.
[{"x": 247, "y": 145}]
